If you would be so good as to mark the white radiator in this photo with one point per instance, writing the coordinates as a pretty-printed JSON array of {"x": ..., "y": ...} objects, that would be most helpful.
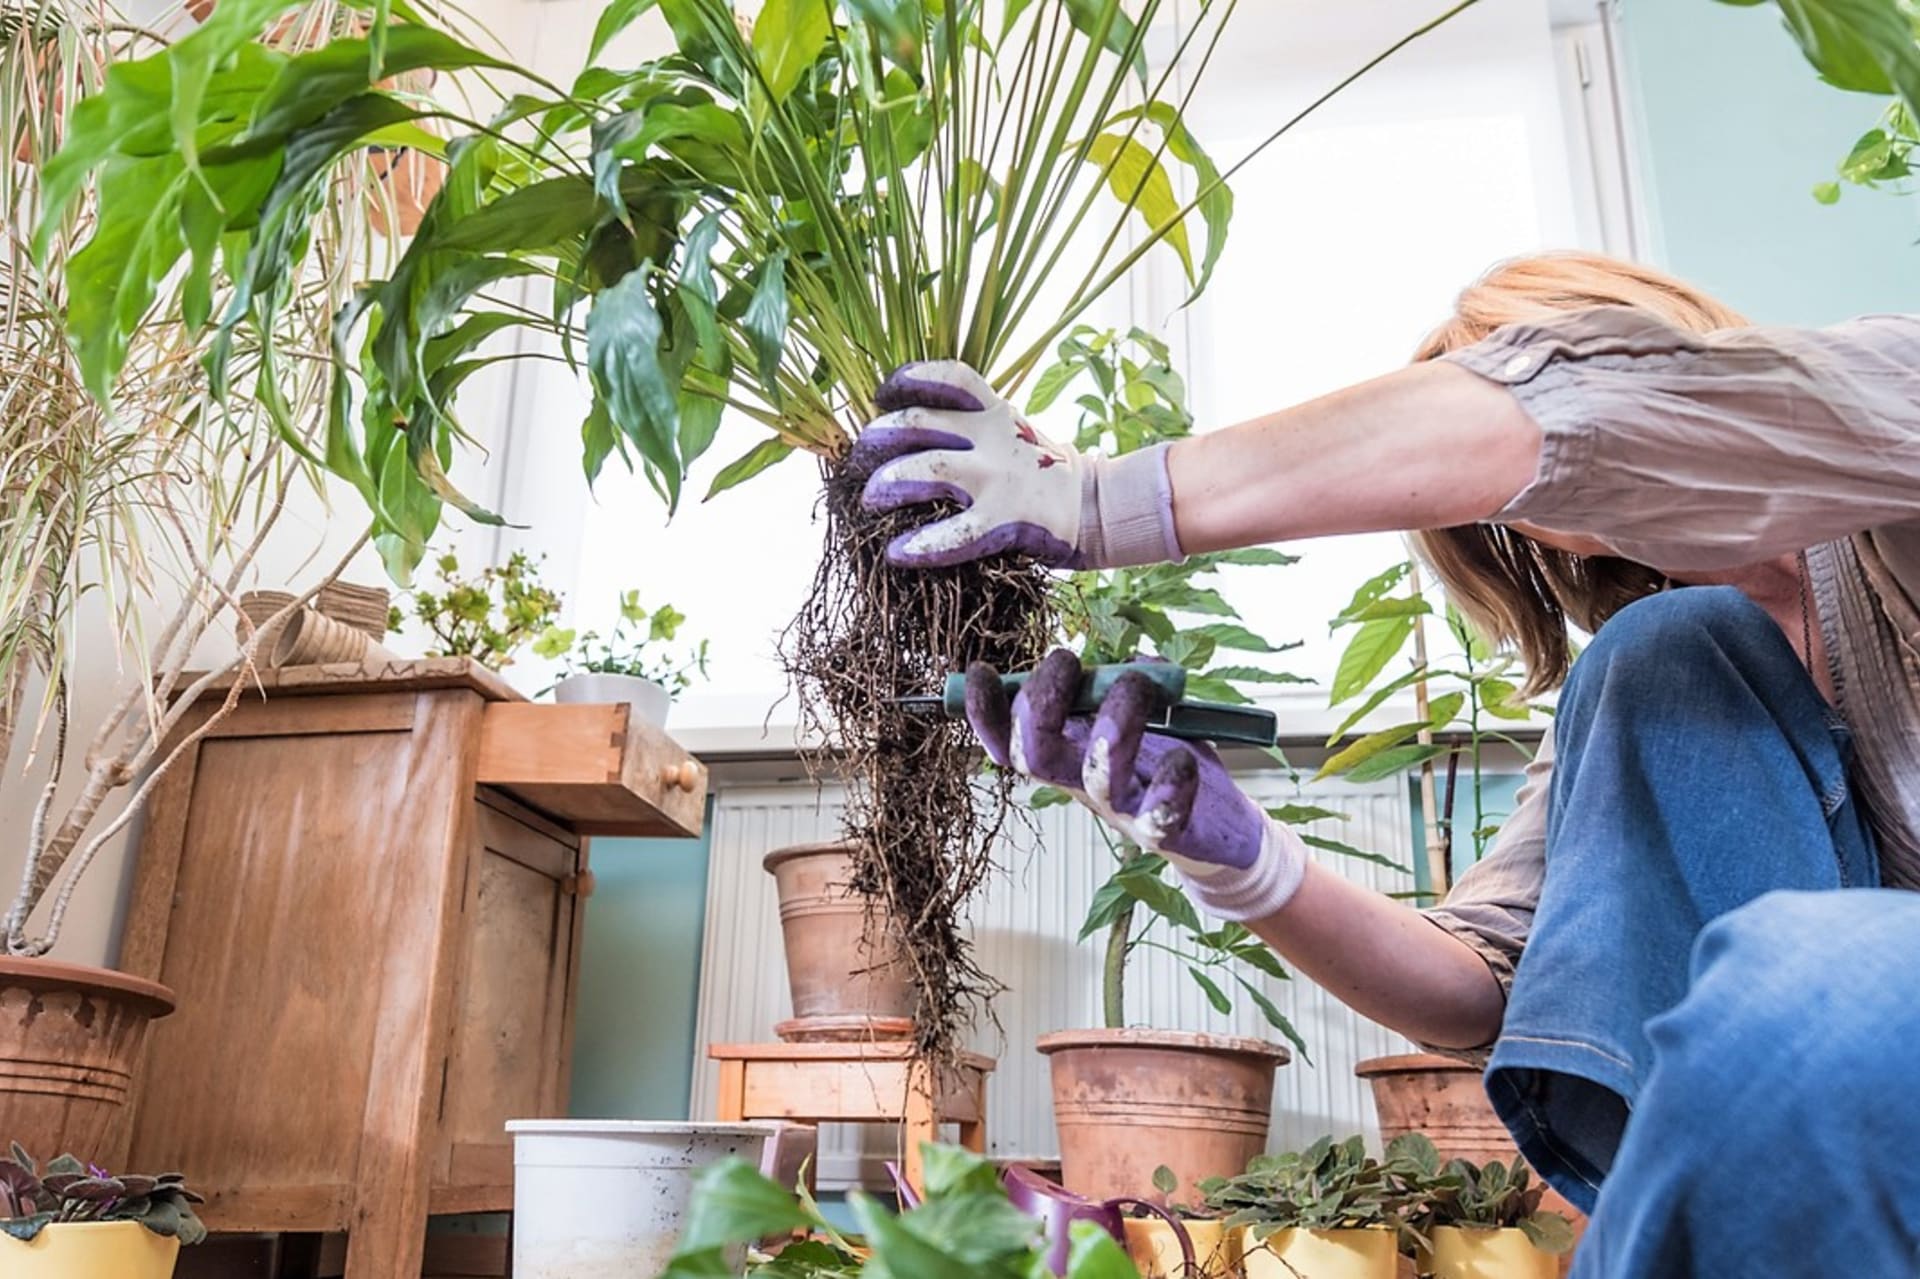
[{"x": 1025, "y": 927}]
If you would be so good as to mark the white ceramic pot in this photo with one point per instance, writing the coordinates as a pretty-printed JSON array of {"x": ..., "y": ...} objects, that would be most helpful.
[
  {"x": 605, "y": 1198},
  {"x": 650, "y": 700}
]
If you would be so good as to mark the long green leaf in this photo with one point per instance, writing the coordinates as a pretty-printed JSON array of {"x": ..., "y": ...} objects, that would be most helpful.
[
  {"x": 757, "y": 459},
  {"x": 1136, "y": 177},
  {"x": 1215, "y": 198},
  {"x": 1374, "y": 645},
  {"x": 788, "y": 36},
  {"x": 624, "y": 333}
]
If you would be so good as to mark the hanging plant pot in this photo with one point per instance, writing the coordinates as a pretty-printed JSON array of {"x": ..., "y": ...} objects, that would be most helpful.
[
  {"x": 1463, "y": 1253},
  {"x": 1370, "y": 1253},
  {"x": 70, "y": 1037},
  {"x": 90, "y": 1250},
  {"x": 1154, "y": 1246},
  {"x": 650, "y": 700},
  {"x": 841, "y": 989},
  {"x": 1126, "y": 1102}
]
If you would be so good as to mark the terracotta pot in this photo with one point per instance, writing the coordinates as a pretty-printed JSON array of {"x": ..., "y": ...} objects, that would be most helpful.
[
  {"x": 70, "y": 1037},
  {"x": 1155, "y": 1249},
  {"x": 1489, "y": 1254},
  {"x": 90, "y": 1250},
  {"x": 1127, "y": 1101},
  {"x": 841, "y": 989},
  {"x": 1444, "y": 1098},
  {"x": 1372, "y": 1253}
]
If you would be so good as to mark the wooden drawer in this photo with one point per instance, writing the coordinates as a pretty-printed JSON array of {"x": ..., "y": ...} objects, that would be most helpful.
[{"x": 599, "y": 769}]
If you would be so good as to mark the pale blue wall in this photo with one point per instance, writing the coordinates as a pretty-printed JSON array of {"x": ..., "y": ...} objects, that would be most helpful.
[
  {"x": 633, "y": 1051},
  {"x": 1734, "y": 130}
]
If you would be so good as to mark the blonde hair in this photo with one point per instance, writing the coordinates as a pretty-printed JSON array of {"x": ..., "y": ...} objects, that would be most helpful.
[{"x": 1518, "y": 592}]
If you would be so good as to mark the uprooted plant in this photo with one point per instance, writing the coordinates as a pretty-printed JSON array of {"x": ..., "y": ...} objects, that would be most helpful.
[{"x": 766, "y": 220}]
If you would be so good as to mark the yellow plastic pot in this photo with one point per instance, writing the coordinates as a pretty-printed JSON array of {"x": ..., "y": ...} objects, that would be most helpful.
[
  {"x": 1460, "y": 1253},
  {"x": 90, "y": 1250},
  {"x": 1372, "y": 1253},
  {"x": 1155, "y": 1249}
]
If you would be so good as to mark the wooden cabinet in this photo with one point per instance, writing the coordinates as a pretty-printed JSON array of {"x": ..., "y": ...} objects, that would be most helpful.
[{"x": 366, "y": 889}]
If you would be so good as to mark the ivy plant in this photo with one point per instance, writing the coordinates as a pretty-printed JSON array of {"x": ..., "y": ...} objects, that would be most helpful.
[
  {"x": 965, "y": 1226},
  {"x": 71, "y": 1191}
]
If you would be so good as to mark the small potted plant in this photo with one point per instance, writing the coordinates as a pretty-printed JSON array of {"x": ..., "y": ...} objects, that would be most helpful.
[
  {"x": 1331, "y": 1211},
  {"x": 630, "y": 664},
  {"x": 490, "y": 618},
  {"x": 1195, "y": 1244},
  {"x": 1484, "y": 1221},
  {"x": 77, "y": 1222}
]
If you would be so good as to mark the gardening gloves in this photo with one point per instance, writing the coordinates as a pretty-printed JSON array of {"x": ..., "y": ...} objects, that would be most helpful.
[
  {"x": 946, "y": 435},
  {"x": 1169, "y": 797}
]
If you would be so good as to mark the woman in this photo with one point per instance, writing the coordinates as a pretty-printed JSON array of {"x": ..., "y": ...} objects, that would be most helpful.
[{"x": 1687, "y": 957}]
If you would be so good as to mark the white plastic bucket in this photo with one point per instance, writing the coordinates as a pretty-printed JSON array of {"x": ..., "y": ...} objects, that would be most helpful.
[{"x": 605, "y": 1198}]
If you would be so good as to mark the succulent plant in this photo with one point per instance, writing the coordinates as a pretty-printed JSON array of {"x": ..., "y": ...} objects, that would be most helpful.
[{"x": 72, "y": 1191}]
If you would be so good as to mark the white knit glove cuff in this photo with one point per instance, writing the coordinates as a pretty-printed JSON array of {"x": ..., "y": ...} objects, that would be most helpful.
[
  {"x": 1243, "y": 894},
  {"x": 1126, "y": 511}
]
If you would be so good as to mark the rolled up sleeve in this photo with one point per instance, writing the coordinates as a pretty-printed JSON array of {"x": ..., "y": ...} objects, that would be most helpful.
[
  {"x": 1708, "y": 451},
  {"x": 1491, "y": 907}
]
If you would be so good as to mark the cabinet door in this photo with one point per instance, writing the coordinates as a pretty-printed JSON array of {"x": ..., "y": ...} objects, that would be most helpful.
[{"x": 513, "y": 1029}]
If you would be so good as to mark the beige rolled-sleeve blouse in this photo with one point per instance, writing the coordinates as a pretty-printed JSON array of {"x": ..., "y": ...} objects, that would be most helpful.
[{"x": 1695, "y": 451}]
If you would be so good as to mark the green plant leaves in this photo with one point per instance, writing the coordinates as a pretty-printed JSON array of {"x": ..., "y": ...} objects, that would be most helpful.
[
  {"x": 732, "y": 1204},
  {"x": 788, "y": 36},
  {"x": 1139, "y": 180},
  {"x": 756, "y": 459},
  {"x": 1214, "y": 199},
  {"x": 1367, "y": 654},
  {"x": 766, "y": 322},
  {"x": 615, "y": 18},
  {"x": 624, "y": 334}
]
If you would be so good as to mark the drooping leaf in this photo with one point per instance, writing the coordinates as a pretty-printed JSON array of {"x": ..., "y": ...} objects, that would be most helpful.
[
  {"x": 1214, "y": 198},
  {"x": 766, "y": 322},
  {"x": 756, "y": 459},
  {"x": 1215, "y": 996},
  {"x": 1397, "y": 760},
  {"x": 732, "y": 1204},
  {"x": 1136, "y": 178},
  {"x": 1275, "y": 1018},
  {"x": 624, "y": 334}
]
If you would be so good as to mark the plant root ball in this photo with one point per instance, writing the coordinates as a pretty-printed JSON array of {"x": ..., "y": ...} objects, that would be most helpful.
[{"x": 923, "y": 820}]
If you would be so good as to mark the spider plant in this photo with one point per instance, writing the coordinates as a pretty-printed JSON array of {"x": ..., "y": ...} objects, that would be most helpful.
[{"x": 765, "y": 220}]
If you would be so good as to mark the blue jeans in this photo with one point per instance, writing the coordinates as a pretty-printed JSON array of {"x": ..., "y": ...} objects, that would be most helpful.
[{"x": 1713, "y": 1039}]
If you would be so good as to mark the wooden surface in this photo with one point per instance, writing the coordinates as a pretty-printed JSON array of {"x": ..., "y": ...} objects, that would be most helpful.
[
  {"x": 375, "y": 960},
  {"x": 599, "y": 768},
  {"x": 855, "y": 1083},
  {"x": 388, "y": 675}
]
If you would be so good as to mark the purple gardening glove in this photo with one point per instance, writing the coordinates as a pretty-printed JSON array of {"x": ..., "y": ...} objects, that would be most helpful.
[
  {"x": 1170, "y": 797},
  {"x": 947, "y": 435}
]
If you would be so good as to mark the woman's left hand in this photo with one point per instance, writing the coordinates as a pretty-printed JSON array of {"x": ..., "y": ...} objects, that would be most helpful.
[{"x": 1169, "y": 797}]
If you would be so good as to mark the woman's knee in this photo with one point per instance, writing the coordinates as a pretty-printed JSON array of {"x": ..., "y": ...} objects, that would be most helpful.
[{"x": 1794, "y": 995}]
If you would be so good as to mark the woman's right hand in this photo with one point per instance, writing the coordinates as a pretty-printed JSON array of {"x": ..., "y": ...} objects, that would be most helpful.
[{"x": 948, "y": 436}]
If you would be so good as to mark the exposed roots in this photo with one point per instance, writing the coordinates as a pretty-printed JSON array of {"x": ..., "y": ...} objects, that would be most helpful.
[{"x": 922, "y": 820}]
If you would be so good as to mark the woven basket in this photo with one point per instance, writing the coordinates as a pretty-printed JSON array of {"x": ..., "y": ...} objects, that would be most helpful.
[{"x": 364, "y": 608}]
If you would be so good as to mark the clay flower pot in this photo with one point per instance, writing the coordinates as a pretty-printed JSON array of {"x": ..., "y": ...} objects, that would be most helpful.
[
  {"x": 70, "y": 1037},
  {"x": 90, "y": 1250},
  {"x": 1463, "y": 1253},
  {"x": 841, "y": 989},
  {"x": 1127, "y": 1101},
  {"x": 1154, "y": 1246},
  {"x": 1370, "y": 1253}
]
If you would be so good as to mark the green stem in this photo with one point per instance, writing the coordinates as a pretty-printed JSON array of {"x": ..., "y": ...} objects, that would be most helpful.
[{"x": 1113, "y": 979}]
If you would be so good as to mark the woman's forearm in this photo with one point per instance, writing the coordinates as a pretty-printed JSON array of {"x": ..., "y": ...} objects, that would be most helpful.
[
  {"x": 1428, "y": 446},
  {"x": 1383, "y": 960}
]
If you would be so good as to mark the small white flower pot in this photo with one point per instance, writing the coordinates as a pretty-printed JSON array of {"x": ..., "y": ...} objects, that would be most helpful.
[
  {"x": 606, "y": 1198},
  {"x": 650, "y": 700}
]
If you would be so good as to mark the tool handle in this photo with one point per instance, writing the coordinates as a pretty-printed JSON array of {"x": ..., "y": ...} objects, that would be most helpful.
[{"x": 1169, "y": 681}]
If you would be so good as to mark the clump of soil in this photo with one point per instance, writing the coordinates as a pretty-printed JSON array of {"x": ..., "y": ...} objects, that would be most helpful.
[{"x": 921, "y": 817}]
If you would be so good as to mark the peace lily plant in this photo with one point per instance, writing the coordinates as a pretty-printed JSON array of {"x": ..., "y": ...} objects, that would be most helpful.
[{"x": 764, "y": 221}]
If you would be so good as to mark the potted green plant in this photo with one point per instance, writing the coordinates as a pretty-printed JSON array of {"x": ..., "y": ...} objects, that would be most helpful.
[
  {"x": 1484, "y": 1221},
  {"x": 135, "y": 511},
  {"x": 1210, "y": 1096},
  {"x": 1331, "y": 1211},
  {"x": 630, "y": 664},
  {"x": 769, "y": 219},
  {"x": 492, "y": 616},
  {"x": 73, "y": 1221},
  {"x": 1193, "y": 1244}
]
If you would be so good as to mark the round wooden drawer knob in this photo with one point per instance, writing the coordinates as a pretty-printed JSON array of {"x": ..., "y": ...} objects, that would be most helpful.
[{"x": 685, "y": 776}]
